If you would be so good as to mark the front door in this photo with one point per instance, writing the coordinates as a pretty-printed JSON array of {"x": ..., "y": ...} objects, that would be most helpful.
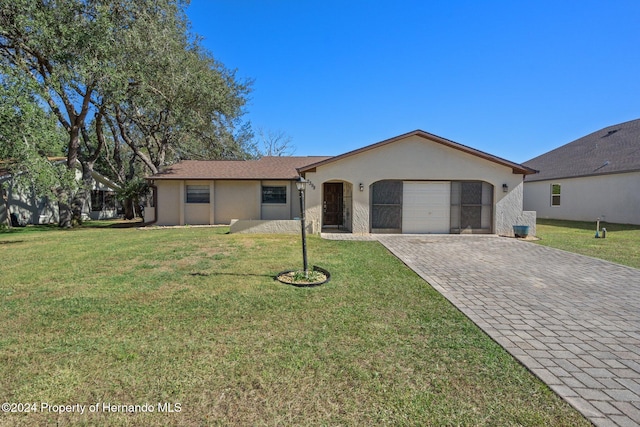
[{"x": 332, "y": 204}]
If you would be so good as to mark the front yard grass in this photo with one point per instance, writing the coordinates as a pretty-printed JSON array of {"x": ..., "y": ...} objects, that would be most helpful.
[
  {"x": 622, "y": 244},
  {"x": 192, "y": 316}
]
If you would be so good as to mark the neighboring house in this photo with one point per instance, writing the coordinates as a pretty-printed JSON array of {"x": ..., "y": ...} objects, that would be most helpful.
[
  {"x": 596, "y": 176},
  {"x": 27, "y": 208},
  {"x": 413, "y": 183}
]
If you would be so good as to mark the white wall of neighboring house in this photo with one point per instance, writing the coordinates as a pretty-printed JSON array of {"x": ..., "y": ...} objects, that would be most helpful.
[
  {"x": 33, "y": 209},
  {"x": 612, "y": 198},
  {"x": 415, "y": 159}
]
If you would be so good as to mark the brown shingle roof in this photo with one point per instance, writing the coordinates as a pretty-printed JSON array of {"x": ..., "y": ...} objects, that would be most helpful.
[
  {"x": 268, "y": 167},
  {"x": 614, "y": 149}
]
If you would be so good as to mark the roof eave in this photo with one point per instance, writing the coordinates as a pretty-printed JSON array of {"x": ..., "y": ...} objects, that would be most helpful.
[
  {"x": 208, "y": 178},
  {"x": 587, "y": 175}
]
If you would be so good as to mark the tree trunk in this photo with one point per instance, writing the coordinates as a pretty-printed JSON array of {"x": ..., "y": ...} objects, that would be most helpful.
[
  {"x": 82, "y": 200},
  {"x": 64, "y": 209},
  {"x": 65, "y": 205},
  {"x": 5, "y": 205},
  {"x": 128, "y": 206},
  {"x": 138, "y": 209}
]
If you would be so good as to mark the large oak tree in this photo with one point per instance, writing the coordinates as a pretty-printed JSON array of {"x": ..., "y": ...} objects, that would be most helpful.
[{"x": 122, "y": 72}]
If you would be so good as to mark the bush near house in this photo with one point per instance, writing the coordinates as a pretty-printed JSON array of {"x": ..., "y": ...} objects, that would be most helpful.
[{"x": 190, "y": 319}]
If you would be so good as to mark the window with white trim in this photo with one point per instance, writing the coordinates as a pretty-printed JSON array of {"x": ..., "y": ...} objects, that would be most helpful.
[
  {"x": 197, "y": 194},
  {"x": 555, "y": 194}
]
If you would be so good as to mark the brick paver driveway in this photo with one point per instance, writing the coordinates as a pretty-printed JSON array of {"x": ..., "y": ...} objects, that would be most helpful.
[{"x": 573, "y": 320}]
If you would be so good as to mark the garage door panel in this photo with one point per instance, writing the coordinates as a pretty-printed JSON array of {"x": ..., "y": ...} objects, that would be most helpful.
[{"x": 426, "y": 207}]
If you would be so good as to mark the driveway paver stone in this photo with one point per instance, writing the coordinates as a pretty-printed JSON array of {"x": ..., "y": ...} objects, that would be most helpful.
[{"x": 572, "y": 320}]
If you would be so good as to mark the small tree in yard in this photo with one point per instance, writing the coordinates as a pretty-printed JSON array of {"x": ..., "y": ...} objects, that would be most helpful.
[{"x": 130, "y": 196}]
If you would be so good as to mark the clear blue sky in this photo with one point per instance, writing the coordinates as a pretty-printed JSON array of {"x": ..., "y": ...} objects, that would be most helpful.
[{"x": 514, "y": 78}]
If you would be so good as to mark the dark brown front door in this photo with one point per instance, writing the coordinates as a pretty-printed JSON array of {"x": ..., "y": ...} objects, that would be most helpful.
[{"x": 332, "y": 204}]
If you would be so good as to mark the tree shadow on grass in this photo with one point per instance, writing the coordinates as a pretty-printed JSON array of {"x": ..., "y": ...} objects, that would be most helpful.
[
  {"x": 30, "y": 229},
  {"x": 10, "y": 242},
  {"x": 122, "y": 223},
  {"x": 96, "y": 224},
  {"x": 201, "y": 274}
]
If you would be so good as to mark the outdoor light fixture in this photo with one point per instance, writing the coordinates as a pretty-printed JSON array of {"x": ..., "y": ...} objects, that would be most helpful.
[
  {"x": 301, "y": 184},
  {"x": 505, "y": 187},
  {"x": 361, "y": 187}
]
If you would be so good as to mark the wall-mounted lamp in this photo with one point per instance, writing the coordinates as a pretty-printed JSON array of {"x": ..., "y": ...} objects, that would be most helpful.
[
  {"x": 361, "y": 187},
  {"x": 505, "y": 188}
]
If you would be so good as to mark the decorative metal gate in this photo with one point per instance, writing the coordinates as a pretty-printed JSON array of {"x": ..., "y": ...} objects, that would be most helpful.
[
  {"x": 471, "y": 207},
  {"x": 386, "y": 207}
]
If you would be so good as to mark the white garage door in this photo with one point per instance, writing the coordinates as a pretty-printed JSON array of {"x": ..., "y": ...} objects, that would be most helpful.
[{"x": 426, "y": 207}]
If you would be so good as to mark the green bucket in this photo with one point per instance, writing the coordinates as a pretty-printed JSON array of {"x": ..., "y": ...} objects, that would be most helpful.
[{"x": 521, "y": 230}]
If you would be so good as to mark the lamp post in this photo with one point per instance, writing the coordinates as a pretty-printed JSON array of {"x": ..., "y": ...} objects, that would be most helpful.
[{"x": 301, "y": 184}]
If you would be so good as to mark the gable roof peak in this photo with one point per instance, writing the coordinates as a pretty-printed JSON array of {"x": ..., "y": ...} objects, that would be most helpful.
[{"x": 516, "y": 167}]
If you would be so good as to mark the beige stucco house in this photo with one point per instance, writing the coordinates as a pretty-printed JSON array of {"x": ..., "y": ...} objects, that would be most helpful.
[
  {"x": 596, "y": 176},
  {"x": 199, "y": 192},
  {"x": 413, "y": 183}
]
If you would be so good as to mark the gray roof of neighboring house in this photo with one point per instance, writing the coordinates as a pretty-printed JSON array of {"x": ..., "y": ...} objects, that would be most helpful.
[
  {"x": 268, "y": 167},
  {"x": 614, "y": 149}
]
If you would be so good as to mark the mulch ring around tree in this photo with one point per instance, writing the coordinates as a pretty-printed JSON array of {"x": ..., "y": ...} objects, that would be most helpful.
[{"x": 315, "y": 277}]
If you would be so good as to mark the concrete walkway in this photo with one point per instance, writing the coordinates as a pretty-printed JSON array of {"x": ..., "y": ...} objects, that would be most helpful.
[{"x": 574, "y": 321}]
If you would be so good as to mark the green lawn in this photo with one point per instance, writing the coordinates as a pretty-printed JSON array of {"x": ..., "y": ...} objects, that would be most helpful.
[
  {"x": 192, "y": 316},
  {"x": 622, "y": 244}
]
